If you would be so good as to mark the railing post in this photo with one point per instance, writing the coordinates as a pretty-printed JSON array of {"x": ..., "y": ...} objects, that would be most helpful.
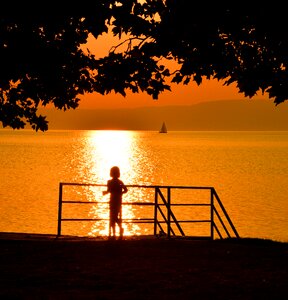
[
  {"x": 155, "y": 210},
  {"x": 60, "y": 209},
  {"x": 169, "y": 211},
  {"x": 212, "y": 215}
]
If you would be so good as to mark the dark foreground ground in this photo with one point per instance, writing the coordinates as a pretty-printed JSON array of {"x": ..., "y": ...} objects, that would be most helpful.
[{"x": 43, "y": 267}]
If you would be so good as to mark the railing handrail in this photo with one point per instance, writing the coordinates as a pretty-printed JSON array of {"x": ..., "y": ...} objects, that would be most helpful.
[
  {"x": 169, "y": 219},
  {"x": 143, "y": 185}
]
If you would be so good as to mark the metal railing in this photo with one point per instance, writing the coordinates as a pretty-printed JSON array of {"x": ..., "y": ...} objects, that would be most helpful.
[{"x": 164, "y": 218}]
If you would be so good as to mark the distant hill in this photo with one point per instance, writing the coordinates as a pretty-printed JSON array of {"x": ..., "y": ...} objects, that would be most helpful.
[{"x": 214, "y": 115}]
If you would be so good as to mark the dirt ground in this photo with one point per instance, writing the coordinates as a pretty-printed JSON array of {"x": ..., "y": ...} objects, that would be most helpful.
[{"x": 44, "y": 267}]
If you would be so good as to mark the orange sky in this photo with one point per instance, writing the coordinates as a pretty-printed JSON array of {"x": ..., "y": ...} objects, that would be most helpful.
[{"x": 180, "y": 94}]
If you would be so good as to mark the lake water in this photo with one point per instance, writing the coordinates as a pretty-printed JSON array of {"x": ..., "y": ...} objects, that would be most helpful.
[{"x": 247, "y": 169}]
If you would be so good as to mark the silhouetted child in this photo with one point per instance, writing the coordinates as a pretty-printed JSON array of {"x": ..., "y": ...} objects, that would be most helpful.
[{"x": 116, "y": 188}]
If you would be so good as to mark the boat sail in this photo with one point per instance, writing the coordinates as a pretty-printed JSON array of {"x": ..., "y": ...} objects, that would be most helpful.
[{"x": 163, "y": 128}]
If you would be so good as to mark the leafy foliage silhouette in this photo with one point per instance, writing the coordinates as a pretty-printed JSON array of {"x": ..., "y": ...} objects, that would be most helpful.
[{"x": 43, "y": 63}]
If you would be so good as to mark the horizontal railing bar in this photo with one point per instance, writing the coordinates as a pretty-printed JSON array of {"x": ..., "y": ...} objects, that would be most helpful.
[
  {"x": 193, "y": 221},
  {"x": 83, "y": 202},
  {"x": 123, "y": 221},
  {"x": 138, "y": 203},
  {"x": 107, "y": 202},
  {"x": 104, "y": 219},
  {"x": 83, "y": 184},
  {"x": 164, "y": 222},
  {"x": 188, "y": 204},
  {"x": 135, "y": 203},
  {"x": 140, "y": 220},
  {"x": 143, "y": 186},
  {"x": 67, "y": 219},
  {"x": 153, "y": 204}
]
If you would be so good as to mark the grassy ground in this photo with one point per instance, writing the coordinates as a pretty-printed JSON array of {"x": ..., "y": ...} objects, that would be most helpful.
[{"x": 43, "y": 267}]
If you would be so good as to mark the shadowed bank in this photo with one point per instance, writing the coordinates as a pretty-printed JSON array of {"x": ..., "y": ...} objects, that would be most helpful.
[{"x": 141, "y": 268}]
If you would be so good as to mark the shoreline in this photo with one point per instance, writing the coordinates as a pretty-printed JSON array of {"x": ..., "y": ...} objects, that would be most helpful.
[{"x": 41, "y": 266}]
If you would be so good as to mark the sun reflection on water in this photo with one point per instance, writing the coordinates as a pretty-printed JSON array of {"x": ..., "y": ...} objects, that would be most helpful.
[{"x": 106, "y": 149}]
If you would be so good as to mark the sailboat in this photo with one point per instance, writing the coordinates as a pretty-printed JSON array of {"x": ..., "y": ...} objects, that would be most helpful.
[{"x": 163, "y": 129}]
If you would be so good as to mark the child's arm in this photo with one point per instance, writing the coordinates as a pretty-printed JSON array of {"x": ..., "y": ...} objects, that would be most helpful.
[
  {"x": 107, "y": 191},
  {"x": 124, "y": 188}
]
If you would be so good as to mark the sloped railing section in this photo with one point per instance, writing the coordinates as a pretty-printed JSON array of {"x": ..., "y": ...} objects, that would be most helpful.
[{"x": 179, "y": 211}]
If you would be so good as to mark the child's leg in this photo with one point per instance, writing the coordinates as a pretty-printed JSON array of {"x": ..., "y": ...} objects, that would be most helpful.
[
  {"x": 121, "y": 230},
  {"x": 113, "y": 220},
  {"x": 114, "y": 230}
]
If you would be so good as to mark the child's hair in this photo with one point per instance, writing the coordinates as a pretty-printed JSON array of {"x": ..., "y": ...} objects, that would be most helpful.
[{"x": 115, "y": 172}]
